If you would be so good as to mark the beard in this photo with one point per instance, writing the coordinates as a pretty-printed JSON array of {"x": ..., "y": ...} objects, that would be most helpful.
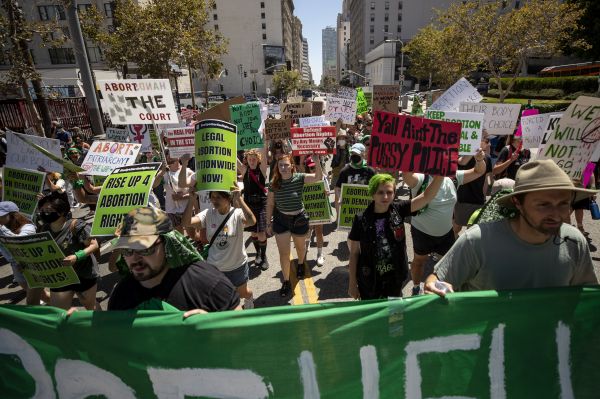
[
  {"x": 550, "y": 227},
  {"x": 142, "y": 271}
]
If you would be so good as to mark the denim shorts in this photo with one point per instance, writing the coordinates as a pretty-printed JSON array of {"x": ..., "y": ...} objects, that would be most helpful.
[
  {"x": 239, "y": 276},
  {"x": 295, "y": 224}
]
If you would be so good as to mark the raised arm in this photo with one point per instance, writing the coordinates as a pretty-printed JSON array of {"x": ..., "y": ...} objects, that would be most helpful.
[
  {"x": 410, "y": 179},
  {"x": 188, "y": 219},
  {"x": 183, "y": 181},
  {"x": 478, "y": 170},
  {"x": 426, "y": 196},
  {"x": 241, "y": 167},
  {"x": 238, "y": 202},
  {"x": 318, "y": 175}
]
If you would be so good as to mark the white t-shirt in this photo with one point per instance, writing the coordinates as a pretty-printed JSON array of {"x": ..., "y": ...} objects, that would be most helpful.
[
  {"x": 227, "y": 252},
  {"x": 436, "y": 220},
  {"x": 171, "y": 186}
]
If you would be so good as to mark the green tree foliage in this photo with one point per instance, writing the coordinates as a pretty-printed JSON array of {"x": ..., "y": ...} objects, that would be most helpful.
[
  {"x": 589, "y": 31},
  {"x": 329, "y": 84},
  {"x": 286, "y": 82}
]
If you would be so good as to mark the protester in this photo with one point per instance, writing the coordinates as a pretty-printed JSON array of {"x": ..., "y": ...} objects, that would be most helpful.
[
  {"x": 377, "y": 241},
  {"x": 73, "y": 237},
  {"x": 318, "y": 229},
  {"x": 53, "y": 183},
  {"x": 286, "y": 215},
  {"x": 162, "y": 264},
  {"x": 341, "y": 156},
  {"x": 533, "y": 249},
  {"x": 255, "y": 195},
  {"x": 75, "y": 156},
  {"x": 583, "y": 204},
  {"x": 277, "y": 150},
  {"x": 177, "y": 186},
  {"x": 355, "y": 172},
  {"x": 511, "y": 158},
  {"x": 13, "y": 223}
]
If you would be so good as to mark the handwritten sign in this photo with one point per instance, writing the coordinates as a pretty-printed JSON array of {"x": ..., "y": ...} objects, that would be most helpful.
[
  {"x": 348, "y": 93},
  {"x": 361, "y": 102},
  {"x": 181, "y": 141},
  {"x": 340, "y": 108},
  {"x": 461, "y": 91},
  {"x": 318, "y": 140},
  {"x": 550, "y": 127},
  {"x": 105, "y": 156},
  {"x": 498, "y": 119},
  {"x": 296, "y": 111},
  {"x": 248, "y": 120},
  {"x": 313, "y": 121},
  {"x": 414, "y": 144},
  {"x": 21, "y": 155},
  {"x": 533, "y": 128},
  {"x": 273, "y": 109},
  {"x": 385, "y": 98},
  {"x": 277, "y": 129},
  {"x": 120, "y": 135},
  {"x": 472, "y": 123},
  {"x": 138, "y": 101},
  {"x": 525, "y": 112}
]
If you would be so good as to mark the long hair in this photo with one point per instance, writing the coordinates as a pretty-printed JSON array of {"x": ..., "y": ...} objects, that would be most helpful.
[
  {"x": 16, "y": 221},
  {"x": 276, "y": 181}
]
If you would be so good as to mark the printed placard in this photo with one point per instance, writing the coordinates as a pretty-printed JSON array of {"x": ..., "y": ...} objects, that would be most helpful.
[
  {"x": 385, "y": 98},
  {"x": 340, "y": 108},
  {"x": 277, "y": 129},
  {"x": 354, "y": 199},
  {"x": 319, "y": 140},
  {"x": 216, "y": 155},
  {"x": 361, "y": 102},
  {"x": 21, "y": 155},
  {"x": 461, "y": 91},
  {"x": 119, "y": 135},
  {"x": 247, "y": 119},
  {"x": 414, "y": 144},
  {"x": 105, "y": 156},
  {"x": 65, "y": 163},
  {"x": 533, "y": 128},
  {"x": 572, "y": 144},
  {"x": 22, "y": 187},
  {"x": 316, "y": 203},
  {"x": 181, "y": 141},
  {"x": 472, "y": 125},
  {"x": 41, "y": 259},
  {"x": 126, "y": 189},
  {"x": 140, "y": 134},
  {"x": 313, "y": 121},
  {"x": 296, "y": 111},
  {"x": 498, "y": 119},
  {"x": 317, "y": 108}
]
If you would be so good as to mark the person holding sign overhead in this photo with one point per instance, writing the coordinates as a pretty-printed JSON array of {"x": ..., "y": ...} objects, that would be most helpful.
[
  {"x": 178, "y": 177},
  {"x": 286, "y": 215}
]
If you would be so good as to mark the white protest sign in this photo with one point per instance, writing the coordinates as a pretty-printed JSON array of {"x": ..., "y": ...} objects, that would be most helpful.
[
  {"x": 313, "y": 121},
  {"x": 472, "y": 126},
  {"x": 20, "y": 155},
  {"x": 104, "y": 156},
  {"x": 550, "y": 126},
  {"x": 348, "y": 93},
  {"x": 340, "y": 108},
  {"x": 140, "y": 134},
  {"x": 114, "y": 134},
  {"x": 573, "y": 143},
  {"x": 135, "y": 101},
  {"x": 499, "y": 119},
  {"x": 273, "y": 109},
  {"x": 533, "y": 128},
  {"x": 181, "y": 141},
  {"x": 461, "y": 91}
]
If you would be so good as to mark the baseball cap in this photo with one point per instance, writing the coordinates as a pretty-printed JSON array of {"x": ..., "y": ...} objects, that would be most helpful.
[
  {"x": 8, "y": 207},
  {"x": 141, "y": 228},
  {"x": 357, "y": 148}
]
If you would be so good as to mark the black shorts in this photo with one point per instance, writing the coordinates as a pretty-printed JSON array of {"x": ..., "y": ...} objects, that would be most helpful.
[
  {"x": 84, "y": 285},
  {"x": 295, "y": 224},
  {"x": 424, "y": 244}
]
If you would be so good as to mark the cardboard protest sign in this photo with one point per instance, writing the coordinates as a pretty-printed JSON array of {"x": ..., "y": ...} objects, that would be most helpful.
[
  {"x": 461, "y": 91},
  {"x": 22, "y": 187},
  {"x": 140, "y": 134},
  {"x": 316, "y": 203},
  {"x": 120, "y": 135},
  {"x": 65, "y": 163},
  {"x": 340, "y": 108},
  {"x": 499, "y": 119},
  {"x": 21, "y": 155},
  {"x": 317, "y": 108},
  {"x": 414, "y": 144},
  {"x": 247, "y": 119},
  {"x": 181, "y": 141},
  {"x": 138, "y": 101},
  {"x": 216, "y": 155},
  {"x": 41, "y": 260},
  {"x": 319, "y": 140},
  {"x": 221, "y": 111},
  {"x": 354, "y": 199},
  {"x": 472, "y": 124},
  {"x": 126, "y": 188},
  {"x": 525, "y": 112},
  {"x": 296, "y": 111},
  {"x": 533, "y": 128},
  {"x": 277, "y": 129},
  {"x": 385, "y": 98},
  {"x": 105, "y": 156},
  {"x": 576, "y": 137},
  {"x": 313, "y": 121}
]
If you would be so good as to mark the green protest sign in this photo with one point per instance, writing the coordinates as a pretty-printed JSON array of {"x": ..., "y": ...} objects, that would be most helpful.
[
  {"x": 41, "y": 260},
  {"x": 125, "y": 189},
  {"x": 470, "y": 345},
  {"x": 247, "y": 119},
  {"x": 22, "y": 188},
  {"x": 316, "y": 203},
  {"x": 361, "y": 102},
  {"x": 216, "y": 160},
  {"x": 354, "y": 199}
]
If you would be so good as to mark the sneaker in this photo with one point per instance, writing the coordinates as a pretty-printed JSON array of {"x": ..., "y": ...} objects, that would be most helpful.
[
  {"x": 300, "y": 270},
  {"x": 258, "y": 261},
  {"x": 285, "y": 289},
  {"x": 249, "y": 303},
  {"x": 264, "y": 265},
  {"x": 320, "y": 260},
  {"x": 416, "y": 290}
]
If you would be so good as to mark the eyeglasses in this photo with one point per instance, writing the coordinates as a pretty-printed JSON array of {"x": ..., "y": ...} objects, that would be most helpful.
[{"x": 142, "y": 252}]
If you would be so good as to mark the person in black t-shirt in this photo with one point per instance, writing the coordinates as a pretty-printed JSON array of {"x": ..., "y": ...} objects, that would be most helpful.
[
  {"x": 162, "y": 264},
  {"x": 510, "y": 159},
  {"x": 355, "y": 172}
]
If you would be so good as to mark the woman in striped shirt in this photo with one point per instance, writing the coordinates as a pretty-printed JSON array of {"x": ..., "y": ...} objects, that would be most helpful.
[{"x": 286, "y": 215}]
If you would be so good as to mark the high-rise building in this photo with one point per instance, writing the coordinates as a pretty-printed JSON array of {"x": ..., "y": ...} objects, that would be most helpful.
[
  {"x": 306, "y": 72},
  {"x": 343, "y": 40},
  {"x": 329, "y": 50}
]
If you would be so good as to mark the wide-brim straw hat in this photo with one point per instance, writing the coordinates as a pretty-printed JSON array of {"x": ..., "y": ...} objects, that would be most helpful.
[{"x": 543, "y": 175}]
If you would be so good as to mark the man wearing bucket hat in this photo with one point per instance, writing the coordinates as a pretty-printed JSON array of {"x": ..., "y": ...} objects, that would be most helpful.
[
  {"x": 534, "y": 249},
  {"x": 162, "y": 264}
]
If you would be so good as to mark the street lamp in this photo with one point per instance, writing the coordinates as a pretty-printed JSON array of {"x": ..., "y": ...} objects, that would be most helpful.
[
  {"x": 401, "y": 62},
  {"x": 274, "y": 66}
]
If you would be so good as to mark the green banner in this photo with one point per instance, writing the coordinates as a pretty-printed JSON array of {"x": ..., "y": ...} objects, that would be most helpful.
[
  {"x": 22, "y": 187},
  {"x": 125, "y": 189},
  {"x": 247, "y": 119},
  {"x": 519, "y": 344},
  {"x": 361, "y": 102},
  {"x": 216, "y": 155},
  {"x": 354, "y": 199},
  {"x": 41, "y": 260},
  {"x": 316, "y": 203}
]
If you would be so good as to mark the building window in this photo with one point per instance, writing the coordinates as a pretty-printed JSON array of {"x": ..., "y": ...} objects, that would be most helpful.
[
  {"x": 216, "y": 27},
  {"x": 372, "y": 29},
  {"x": 52, "y": 12},
  {"x": 400, "y": 5},
  {"x": 372, "y": 17},
  {"x": 215, "y": 17},
  {"x": 372, "y": 5},
  {"x": 385, "y": 38},
  {"x": 83, "y": 7},
  {"x": 399, "y": 29},
  {"x": 95, "y": 54},
  {"x": 262, "y": 4},
  {"x": 61, "y": 55},
  {"x": 262, "y": 15},
  {"x": 215, "y": 5},
  {"x": 264, "y": 36},
  {"x": 399, "y": 17},
  {"x": 371, "y": 40},
  {"x": 387, "y": 5},
  {"x": 387, "y": 17},
  {"x": 109, "y": 9},
  {"x": 264, "y": 25},
  {"x": 385, "y": 28}
]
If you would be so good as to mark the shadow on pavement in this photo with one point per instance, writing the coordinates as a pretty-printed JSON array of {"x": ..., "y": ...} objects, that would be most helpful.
[{"x": 335, "y": 285}]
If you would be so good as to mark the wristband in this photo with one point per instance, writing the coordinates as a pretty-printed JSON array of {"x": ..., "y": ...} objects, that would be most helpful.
[
  {"x": 80, "y": 255},
  {"x": 78, "y": 184}
]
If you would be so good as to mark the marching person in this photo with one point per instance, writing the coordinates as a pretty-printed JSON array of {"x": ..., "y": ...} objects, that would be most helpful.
[
  {"x": 178, "y": 178},
  {"x": 511, "y": 158},
  {"x": 318, "y": 229},
  {"x": 355, "y": 172}
]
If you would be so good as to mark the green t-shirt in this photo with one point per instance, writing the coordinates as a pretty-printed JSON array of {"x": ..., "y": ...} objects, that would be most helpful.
[{"x": 289, "y": 196}]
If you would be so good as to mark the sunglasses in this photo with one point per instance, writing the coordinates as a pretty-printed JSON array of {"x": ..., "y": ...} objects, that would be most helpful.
[{"x": 142, "y": 252}]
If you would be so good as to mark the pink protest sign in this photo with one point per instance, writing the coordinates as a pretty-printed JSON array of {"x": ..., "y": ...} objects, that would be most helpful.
[
  {"x": 415, "y": 144},
  {"x": 587, "y": 173},
  {"x": 526, "y": 112},
  {"x": 319, "y": 140}
]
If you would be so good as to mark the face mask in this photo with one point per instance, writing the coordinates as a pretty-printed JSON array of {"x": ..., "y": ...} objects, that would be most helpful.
[
  {"x": 355, "y": 159},
  {"x": 342, "y": 143},
  {"x": 49, "y": 217}
]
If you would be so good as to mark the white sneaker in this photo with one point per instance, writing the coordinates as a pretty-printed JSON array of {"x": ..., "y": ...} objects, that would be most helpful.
[
  {"x": 258, "y": 260},
  {"x": 264, "y": 265},
  {"x": 249, "y": 303},
  {"x": 320, "y": 261}
]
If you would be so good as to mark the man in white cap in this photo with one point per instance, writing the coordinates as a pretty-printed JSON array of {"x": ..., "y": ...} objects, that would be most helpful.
[
  {"x": 355, "y": 172},
  {"x": 534, "y": 248}
]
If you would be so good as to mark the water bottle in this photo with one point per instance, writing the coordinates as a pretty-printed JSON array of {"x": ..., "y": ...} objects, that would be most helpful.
[{"x": 594, "y": 210}]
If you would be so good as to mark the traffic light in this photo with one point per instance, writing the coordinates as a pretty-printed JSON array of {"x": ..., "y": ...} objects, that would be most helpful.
[{"x": 245, "y": 74}]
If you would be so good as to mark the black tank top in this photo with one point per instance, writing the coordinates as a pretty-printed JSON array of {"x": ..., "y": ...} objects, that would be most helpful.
[{"x": 251, "y": 188}]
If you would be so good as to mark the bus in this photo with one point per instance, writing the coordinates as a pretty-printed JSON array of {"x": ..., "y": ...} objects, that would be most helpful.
[{"x": 591, "y": 68}]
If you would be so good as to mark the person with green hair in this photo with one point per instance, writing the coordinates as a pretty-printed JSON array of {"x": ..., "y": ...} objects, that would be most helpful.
[{"x": 377, "y": 241}]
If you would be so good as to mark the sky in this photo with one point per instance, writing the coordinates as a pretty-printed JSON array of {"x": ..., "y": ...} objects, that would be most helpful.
[{"x": 316, "y": 15}]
